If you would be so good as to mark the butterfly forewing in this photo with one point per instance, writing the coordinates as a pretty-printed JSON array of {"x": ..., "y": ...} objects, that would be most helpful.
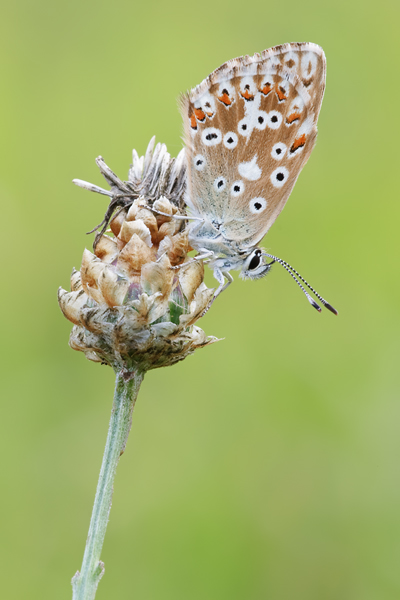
[{"x": 249, "y": 129}]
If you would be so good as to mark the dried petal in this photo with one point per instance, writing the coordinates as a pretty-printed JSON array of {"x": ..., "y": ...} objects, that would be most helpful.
[
  {"x": 76, "y": 283},
  {"x": 95, "y": 294},
  {"x": 150, "y": 221},
  {"x": 129, "y": 228},
  {"x": 179, "y": 248},
  {"x": 164, "y": 247},
  {"x": 166, "y": 229},
  {"x": 71, "y": 304},
  {"x": 144, "y": 303},
  {"x": 106, "y": 249},
  {"x": 116, "y": 223},
  {"x": 113, "y": 287},
  {"x": 202, "y": 299},
  {"x": 157, "y": 276},
  {"x": 163, "y": 205},
  {"x": 134, "y": 255},
  {"x": 91, "y": 269},
  {"x": 190, "y": 278}
]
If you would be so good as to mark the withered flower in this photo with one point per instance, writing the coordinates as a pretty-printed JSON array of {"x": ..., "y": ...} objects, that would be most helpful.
[
  {"x": 134, "y": 304},
  {"x": 130, "y": 309}
]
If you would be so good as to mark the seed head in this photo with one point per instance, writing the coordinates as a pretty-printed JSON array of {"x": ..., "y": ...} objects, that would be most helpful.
[{"x": 129, "y": 307}]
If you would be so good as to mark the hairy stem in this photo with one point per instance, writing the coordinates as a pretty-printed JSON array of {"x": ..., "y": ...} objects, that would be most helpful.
[{"x": 85, "y": 581}]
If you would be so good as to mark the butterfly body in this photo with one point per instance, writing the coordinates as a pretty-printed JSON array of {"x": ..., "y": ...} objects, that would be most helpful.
[{"x": 249, "y": 129}]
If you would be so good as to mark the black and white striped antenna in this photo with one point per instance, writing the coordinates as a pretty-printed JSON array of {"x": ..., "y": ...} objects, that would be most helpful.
[{"x": 293, "y": 273}]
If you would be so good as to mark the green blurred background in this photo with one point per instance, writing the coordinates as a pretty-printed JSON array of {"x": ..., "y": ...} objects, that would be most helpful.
[{"x": 267, "y": 465}]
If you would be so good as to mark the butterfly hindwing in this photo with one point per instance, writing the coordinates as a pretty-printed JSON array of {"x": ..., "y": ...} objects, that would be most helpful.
[{"x": 249, "y": 129}]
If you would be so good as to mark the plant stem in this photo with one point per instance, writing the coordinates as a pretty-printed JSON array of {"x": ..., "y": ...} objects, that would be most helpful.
[{"x": 85, "y": 581}]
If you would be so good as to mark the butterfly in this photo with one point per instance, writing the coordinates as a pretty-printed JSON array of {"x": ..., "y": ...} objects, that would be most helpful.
[{"x": 249, "y": 128}]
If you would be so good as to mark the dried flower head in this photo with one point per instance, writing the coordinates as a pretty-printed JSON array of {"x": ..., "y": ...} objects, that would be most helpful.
[{"x": 129, "y": 307}]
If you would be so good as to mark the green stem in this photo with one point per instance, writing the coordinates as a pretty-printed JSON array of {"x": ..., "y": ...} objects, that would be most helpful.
[{"x": 85, "y": 581}]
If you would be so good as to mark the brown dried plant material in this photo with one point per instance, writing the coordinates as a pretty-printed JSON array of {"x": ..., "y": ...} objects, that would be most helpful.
[{"x": 129, "y": 308}]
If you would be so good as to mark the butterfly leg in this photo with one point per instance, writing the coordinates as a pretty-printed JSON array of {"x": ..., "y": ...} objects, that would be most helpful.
[
  {"x": 220, "y": 276},
  {"x": 206, "y": 254},
  {"x": 176, "y": 217}
]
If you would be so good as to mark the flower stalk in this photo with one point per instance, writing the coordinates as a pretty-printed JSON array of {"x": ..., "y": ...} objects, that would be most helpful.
[{"x": 85, "y": 581}]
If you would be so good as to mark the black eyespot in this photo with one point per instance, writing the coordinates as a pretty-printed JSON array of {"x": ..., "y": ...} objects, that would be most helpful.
[
  {"x": 261, "y": 120},
  {"x": 274, "y": 119},
  {"x": 278, "y": 150},
  {"x": 229, "y": 140},
  {"x": 255, "y": 261},
  {"x": 220, "y": 183},
  {"x": 257, "y": 205},
  {"x": 199, "y": 162},
  {"x": 211, "y": 136},
  {"x": 280, "y": 176},
  {"x": 236, "y": 188},
  {"x": 244, "y": 127}
]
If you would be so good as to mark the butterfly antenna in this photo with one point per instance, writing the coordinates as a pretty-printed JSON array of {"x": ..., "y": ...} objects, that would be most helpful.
[{"x": 289, "y": 269}]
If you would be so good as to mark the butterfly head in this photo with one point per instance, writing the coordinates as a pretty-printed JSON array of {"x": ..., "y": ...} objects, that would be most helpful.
[{"x": 254, "y": 266}]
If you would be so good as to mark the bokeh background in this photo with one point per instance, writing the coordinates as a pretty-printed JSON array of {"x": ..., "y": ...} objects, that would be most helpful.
[{"x": 265, "y": 466}]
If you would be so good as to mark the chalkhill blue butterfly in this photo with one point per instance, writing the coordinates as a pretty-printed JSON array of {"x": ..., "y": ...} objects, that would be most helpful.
[{"x": 249, "y": 128}]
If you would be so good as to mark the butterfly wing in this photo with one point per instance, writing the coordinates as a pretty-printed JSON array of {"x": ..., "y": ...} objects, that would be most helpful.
[{"x": 249, "y": 129}]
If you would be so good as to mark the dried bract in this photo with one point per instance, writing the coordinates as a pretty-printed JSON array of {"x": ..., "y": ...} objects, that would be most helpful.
[{"x": 129, "y": 308}]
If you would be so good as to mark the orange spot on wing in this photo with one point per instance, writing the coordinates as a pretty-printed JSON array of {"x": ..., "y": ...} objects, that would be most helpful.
[
  {"x": 210, "y": 114},
  {"x": 298, "y": 143},
  {"x": 224, "y": 98},
  {"x": 266, "y": 89},
  {"x": 193, "y": 122},
  {"x": 280, "y": 92},
  {"x": 292, "y": 118},
  {"x": 246, "y": 95},
  {"x": 200, "y": 116}
]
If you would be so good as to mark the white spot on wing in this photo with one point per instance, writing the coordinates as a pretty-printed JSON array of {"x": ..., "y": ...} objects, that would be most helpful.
[
  {"x": 244, "y": 127},
  {"x": 257, "y": 205},
  {"x": 309, "y": 62},
  {"x": 211, "y": 136},
  {"x": 279, "y": 177},
  {"x": 278, "y": 151},
  {"x": 219, "y": 184},
  {"x": 199, "y": 162},
  {"x": 207, "y": 103},
  {"x": 230, "y": 140},
  {"x": 292, "y": 58},
  {"x": 250, "y": 170},
  {"x": 237, "y": 188},
  {"x": 274, "y": 119}
]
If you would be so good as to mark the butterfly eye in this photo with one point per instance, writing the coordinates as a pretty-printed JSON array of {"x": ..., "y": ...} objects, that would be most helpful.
[
  {"x": 255, "y": 261},
  {"x": 237, "y": 188},
  {"x": 199, "y": 162},
  {"x": 211, "y": 136},
  {"x": 257, "y": 205},
  {"x": 278, "y": 151},
  {"x": 279, "y": 177},
  {"x": 274, "y": 119},
  {"x": 230, "y": 140},
  {"x": 219, "y": 184}
]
